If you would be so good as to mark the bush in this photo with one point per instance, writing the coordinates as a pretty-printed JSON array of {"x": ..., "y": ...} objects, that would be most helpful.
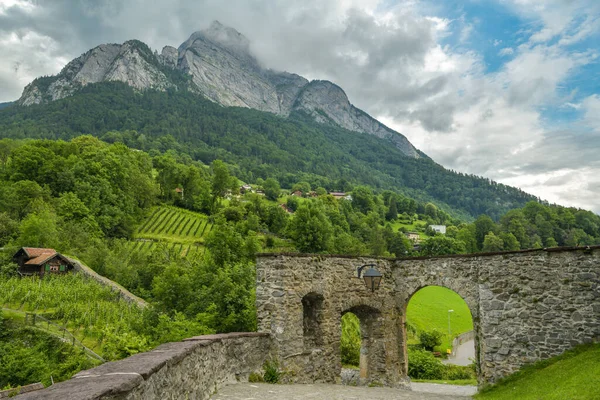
[
  {"x": 455, "y": 372},
  {"x": 430, "y": 339},
  {"x": 272, "y": 373},
  {"x": 423, "y": 365},
  {"x": 255, "y": 377}
]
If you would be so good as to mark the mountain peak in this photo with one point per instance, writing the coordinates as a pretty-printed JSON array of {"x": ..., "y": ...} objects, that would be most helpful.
[
  {"x": 221, "y": 67},
  {"x": 223, "y": 36}
]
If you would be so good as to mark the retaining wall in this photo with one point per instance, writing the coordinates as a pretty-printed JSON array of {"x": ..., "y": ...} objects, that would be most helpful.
[{"x": 192, "y": 369}]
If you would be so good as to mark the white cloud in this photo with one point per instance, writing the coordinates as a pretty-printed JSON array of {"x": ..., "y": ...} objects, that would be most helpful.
[
  {"x": 591, "y": 106},
  {"x": 507, "y": 51},
  {"x": 16, "y": 51},
  {"x": 24, "y": 5}
]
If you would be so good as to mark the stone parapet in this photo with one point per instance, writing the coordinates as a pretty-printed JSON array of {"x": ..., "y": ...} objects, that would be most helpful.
[{"x": 192, "y": 369}]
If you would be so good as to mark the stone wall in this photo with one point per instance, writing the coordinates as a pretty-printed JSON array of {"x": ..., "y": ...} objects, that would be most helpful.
[
  {"x": 526, "y": 306},
  {"x": 125, "y": 294},
  {"x": 192, "y": 369}
]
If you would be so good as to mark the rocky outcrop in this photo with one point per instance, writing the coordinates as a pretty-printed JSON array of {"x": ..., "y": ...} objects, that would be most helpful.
[
  {"x": 132, "y": 63},
  {"x": 223, "y": 69},
  {"x": 327, "y": 102},
  {"x": 169, "y": 56}
]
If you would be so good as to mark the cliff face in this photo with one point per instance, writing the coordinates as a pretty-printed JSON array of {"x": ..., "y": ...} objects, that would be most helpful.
[
  {"x": 327, "y": 102},
  {"x": 223, "y": 69},
  {"x": 132, "y": 63}
]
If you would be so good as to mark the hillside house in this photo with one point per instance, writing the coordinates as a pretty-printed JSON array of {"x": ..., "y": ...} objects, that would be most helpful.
[
  {"x": 413, "y": 237},
  {"x": 297, "y": 193},
  {"x": 286, "y": 208},
  {"x": 341, "y": 195},
  {"x": 438, "y": 228},
  {"x": 38, "y": 261},
  {"x": 246, "y": 189}
]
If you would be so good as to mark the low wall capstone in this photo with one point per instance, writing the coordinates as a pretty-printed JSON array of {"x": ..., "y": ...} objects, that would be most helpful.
[{"x": 192, "y": 369}]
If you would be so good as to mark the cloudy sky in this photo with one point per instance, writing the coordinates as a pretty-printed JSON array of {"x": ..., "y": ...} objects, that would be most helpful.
[{"x": 507, "y": 89}]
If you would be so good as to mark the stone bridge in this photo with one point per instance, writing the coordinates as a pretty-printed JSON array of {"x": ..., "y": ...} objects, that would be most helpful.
[{"x": 526, "y": 306}]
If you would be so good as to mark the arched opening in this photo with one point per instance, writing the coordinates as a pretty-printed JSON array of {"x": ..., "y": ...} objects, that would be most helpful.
[
  {"x": 440, "y": 336},
  {"x": 360, "y": 332},
  {"x": 312, "y": 310}
]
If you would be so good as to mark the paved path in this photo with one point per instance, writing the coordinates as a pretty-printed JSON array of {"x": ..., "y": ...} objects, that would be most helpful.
[
  {"x": 263, "y": 391},
  {"x": 465, "y": 354}
]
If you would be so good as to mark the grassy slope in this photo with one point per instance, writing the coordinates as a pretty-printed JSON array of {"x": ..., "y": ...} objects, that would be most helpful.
[
  {"x": 574, "y": 375},
  {"x": 428, "y": 310},
  {"x": 84, "y": 307}
]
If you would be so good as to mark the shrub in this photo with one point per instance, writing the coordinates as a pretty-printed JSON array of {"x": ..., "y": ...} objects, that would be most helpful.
[
  {"x": 255, "y": 377},
  {"x": 455, "y": 372},
  {"x": 423, "y": 365},
  {"x": 270, "y": 242},
  {"x": 430, "y": 339},
  {"x": 272, "y": 373}
]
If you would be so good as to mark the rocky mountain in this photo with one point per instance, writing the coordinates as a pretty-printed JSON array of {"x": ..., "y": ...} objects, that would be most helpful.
[{"x": 219, "y": 65}]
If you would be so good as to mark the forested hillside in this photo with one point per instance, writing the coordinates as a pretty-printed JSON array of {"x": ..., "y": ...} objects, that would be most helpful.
[
  {"x": 128, "y": 214},
  {"x": 257, "y": 145}
]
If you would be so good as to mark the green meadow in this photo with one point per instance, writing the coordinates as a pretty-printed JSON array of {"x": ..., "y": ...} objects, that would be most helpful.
[
  {"x": 428, "y": 310},
  {"x": 573, "y": 375}
]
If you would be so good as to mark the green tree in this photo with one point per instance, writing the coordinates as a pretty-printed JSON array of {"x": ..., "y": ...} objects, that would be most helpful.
[
  {"x": 310, "y": 228},
  {"x": 221, "y": 180},
  {"x": 38, "y": 229},
  {"x": 510, "y": 241},
  {"x": 303, "y": 186},
  {"x": 430, "y": 339},
  {"x": 440, "y": 245},
  {"x": 392, "y": 212},
  {"x": 492, "y": 243},
  {"x": 362, "y": 199},
  {"x": 272, "y": 189},
  {"x": 431, "y": 211},
  {"x": 483, "y": 226}
]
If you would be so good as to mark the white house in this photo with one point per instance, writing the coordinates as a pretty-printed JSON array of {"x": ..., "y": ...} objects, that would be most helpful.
[{"x": 439, "y": 228}]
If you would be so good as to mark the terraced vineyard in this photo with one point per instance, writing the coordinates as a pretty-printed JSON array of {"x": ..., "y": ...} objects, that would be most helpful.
[{"x": 175, "y": 229}]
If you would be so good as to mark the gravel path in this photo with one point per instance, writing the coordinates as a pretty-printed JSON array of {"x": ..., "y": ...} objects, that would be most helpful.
[{"x": 262, "y": 391}]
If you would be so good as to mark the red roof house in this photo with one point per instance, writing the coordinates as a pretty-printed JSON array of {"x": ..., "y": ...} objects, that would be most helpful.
[{"x": 39, "y": 261}]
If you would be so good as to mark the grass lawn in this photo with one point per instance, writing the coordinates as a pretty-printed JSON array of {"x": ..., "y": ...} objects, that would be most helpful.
[
  {"x": 411, "y": 227},
  {"x": 575, "y": 375},
  {"x": 428, "y": 310}
]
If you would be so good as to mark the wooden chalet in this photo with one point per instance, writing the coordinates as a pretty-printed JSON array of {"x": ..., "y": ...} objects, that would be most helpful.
[{"x": 37, "y": 261}]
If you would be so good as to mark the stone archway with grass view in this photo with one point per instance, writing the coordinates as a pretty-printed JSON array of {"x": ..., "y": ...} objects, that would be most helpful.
[
  {"x": 440, "y": 337},
  {"x": 525, "y": 306}
]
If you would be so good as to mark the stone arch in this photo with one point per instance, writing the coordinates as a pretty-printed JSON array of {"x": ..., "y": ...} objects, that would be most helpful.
[
  {"x": 312, "y": 320},
  {"x": 470, "y": 301},
  {"x": 372, "y": 351}
]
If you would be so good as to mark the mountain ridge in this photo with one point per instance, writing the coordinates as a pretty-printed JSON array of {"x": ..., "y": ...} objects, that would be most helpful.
[{"x": 220, "y": 66}]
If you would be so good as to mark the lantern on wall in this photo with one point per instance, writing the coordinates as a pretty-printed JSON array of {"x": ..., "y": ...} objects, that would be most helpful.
[{"x": 371, "y": 276}]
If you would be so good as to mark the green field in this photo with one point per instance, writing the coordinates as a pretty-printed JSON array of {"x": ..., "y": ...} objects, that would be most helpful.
[
  {"x": 173, "y": 228},
  {"x": 428, "y": 310},
  {"x": 573, "y": 375},
  {"x": 415, "y": 226}
]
